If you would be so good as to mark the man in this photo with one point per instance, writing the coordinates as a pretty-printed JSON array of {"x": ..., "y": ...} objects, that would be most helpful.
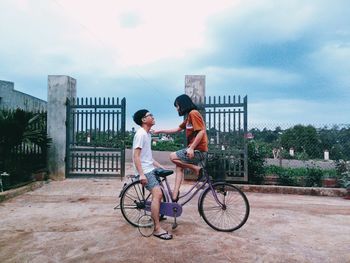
[{"x": 144, "y": 166}]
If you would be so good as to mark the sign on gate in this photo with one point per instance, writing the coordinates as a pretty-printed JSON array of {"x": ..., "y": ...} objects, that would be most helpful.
[{"x": 95, "y": 137}]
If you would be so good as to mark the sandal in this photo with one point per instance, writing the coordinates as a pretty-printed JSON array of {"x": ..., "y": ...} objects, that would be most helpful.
[{"x": 164, "y": 236}]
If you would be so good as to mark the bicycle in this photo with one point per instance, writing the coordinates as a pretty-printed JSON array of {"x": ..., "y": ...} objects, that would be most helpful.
[{"x": 223, "y": 206}]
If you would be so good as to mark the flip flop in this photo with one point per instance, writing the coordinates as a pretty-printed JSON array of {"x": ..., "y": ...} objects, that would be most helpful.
[{"x": 164, "y": 236}]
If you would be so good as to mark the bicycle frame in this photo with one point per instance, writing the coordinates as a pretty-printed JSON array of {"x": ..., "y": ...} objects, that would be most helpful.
[
  {"x": 174, "y": 209},
  {"x": 211, "y": 199}
]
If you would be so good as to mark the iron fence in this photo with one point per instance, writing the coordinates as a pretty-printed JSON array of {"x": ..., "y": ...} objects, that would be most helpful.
[{"x": 95, "y": 137}]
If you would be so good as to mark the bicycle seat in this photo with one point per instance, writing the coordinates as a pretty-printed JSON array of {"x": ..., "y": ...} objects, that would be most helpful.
[{"x": 162, "y": 172}]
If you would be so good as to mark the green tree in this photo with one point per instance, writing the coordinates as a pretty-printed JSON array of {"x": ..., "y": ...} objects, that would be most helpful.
[
  {"x": 256, "y": 163},
  {"x": 304, "y": 139}
]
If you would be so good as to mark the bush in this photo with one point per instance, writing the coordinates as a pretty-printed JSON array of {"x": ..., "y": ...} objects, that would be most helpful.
[
  {"x": 166, "y": 146},
  {"x": 343, "y": 170},
  {"x": 256, "y": 163},
  {"x": 23, "y": 144},
  {"x": 313, "y": 177},
  {"x": 301, "y": 176},
  {"x": 290, "y": 177},
  {"x": 274, "y": 169}
]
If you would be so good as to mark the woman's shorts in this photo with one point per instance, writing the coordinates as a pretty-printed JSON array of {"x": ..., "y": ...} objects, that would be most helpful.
[{"x": 198, "y": 156}]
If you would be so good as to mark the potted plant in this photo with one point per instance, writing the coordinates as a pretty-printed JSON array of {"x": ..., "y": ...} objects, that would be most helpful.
[
  {"x": 329, "y": 180},
  {"x": 343, "y": 168},
  {"x": 40, "y": 175},
  {"x": 345, "y": 182}
]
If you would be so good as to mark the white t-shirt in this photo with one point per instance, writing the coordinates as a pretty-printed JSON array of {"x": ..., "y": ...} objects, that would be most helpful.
[{"x": 143, "y": 140}]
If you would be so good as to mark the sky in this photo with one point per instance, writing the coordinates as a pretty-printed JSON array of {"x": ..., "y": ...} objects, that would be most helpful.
[{"x": 290, "y": 57}]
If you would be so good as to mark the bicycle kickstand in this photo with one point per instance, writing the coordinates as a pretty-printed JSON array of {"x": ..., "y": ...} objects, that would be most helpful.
[{"x": 174, "y": 224}]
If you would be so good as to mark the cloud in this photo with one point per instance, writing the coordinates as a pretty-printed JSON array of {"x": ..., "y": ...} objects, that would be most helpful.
[
  {"x": 276, "y": 52},
  {"x": 291, "y": 111},
  {"x": 333, "y": 60},
  {"x": 143, "y": 32},
  {"x": 265, "y": 76}
]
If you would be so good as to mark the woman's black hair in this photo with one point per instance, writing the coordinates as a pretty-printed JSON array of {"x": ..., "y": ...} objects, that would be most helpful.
[{"x": 185, "y": 104}]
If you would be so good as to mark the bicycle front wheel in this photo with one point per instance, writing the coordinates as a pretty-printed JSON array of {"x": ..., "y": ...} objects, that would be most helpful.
[
  {"x": 230, "y": 214},
  {"x": 133, "y": 202}
]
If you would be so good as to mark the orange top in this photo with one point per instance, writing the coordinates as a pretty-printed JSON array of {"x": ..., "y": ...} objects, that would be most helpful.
[{"x": 193, "y": 124}]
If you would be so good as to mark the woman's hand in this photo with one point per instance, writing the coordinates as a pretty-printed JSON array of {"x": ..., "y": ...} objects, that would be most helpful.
[
  {"x": 154, "y": 132},
  {"x": 190, "y": 153}
]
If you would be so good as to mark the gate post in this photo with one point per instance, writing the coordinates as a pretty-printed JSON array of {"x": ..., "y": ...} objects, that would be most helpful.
[{"x": 60, "y": 88}]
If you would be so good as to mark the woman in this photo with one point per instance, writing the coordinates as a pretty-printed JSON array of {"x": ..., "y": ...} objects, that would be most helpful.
[{"x": 197, "y": 140}]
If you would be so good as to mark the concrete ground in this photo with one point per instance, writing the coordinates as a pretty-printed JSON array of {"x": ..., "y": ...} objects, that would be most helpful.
[{"x": 74, "y": 221}]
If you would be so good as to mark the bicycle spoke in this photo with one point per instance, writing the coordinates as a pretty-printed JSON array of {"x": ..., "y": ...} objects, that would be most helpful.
[
  {"x": 230, "y": 213},
  {"x": 131, "y": 202},
  {"x": 130, "y": 207},
  {"x": 131, "y": 197}
]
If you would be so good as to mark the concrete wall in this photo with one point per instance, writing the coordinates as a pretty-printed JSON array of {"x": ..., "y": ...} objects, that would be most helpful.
[
  {"x": 59, "y": 89},
  {"x": 13, "y": 99}
]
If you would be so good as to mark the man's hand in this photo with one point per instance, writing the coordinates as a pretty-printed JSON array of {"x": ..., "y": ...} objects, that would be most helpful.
[{"x": 143, "y": 180}]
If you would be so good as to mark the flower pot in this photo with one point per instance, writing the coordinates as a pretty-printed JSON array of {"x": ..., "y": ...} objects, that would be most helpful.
[
  {"x": 347, "y": 196},
  {"x": 329, "y": 182},
  {"x": 271, "y": 179},
  {"x": 39, "y": 176}
]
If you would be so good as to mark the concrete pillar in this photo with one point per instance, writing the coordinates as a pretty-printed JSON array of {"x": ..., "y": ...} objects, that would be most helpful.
[
  {"x": 59, "y": 89},
  {"x": 326, "y": 155},
  {"x": 195, "y": 87},
  {"x": 291, "y": 152}
]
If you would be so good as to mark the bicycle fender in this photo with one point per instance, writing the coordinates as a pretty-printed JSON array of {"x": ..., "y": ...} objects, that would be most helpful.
[
  {"x": 121, "y": 191},
  {"x": 125, "y": 186},
  {"x": 200, "y": 198}
]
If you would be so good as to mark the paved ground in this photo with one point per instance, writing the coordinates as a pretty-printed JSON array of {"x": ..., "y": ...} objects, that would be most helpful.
[{"x": 74, "y": 221}]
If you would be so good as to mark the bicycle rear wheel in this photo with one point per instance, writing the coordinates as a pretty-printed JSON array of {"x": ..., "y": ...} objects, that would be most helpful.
[
  {"x": 133, "y": 202},
  {"x": 229, "y": 217}
]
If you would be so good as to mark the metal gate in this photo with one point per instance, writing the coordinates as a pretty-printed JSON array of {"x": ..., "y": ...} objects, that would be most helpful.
[
  {"x": 95, "y": 137},
  {"x": 226, "y": 122}
]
